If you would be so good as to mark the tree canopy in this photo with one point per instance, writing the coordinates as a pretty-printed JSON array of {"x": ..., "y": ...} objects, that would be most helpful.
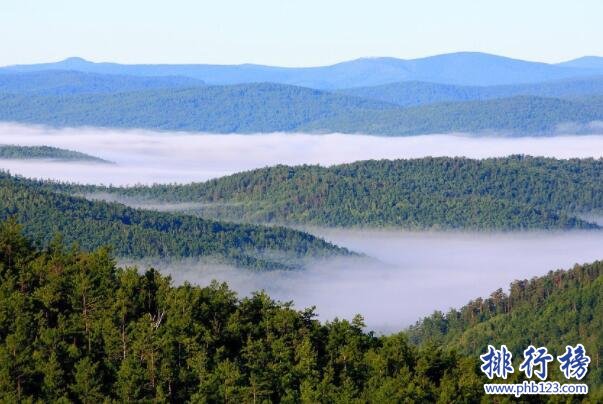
[
  {"x": 45, "y": 152},
  {"x": 516, "y": 192},
  {"x": 75, "y": 327},
  {"x": 137, "y": 233}
]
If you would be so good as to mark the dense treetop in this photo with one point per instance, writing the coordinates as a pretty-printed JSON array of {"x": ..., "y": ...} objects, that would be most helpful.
[
  {"x": 267, "y": 107},
  {"x": 74, "y": 327},
  {"x": 515, "y": 192},
  {"x": 518, "y": 115},
  {"x": 138, "y": 233},
  {"x": 243, "y": 108},
  {"x": 559, "y": 309},
  {"x": 69, "y": 82},
  {"x": 413, "y": 93}
]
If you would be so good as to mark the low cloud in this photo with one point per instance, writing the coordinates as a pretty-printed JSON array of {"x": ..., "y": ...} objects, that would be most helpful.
[
  {"x": 411, "y": 274},
  {"x": 162, "y": 157},
  {"x": 408, "y": 274}
]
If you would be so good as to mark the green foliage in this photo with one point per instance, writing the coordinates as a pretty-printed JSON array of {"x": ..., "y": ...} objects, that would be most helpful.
[
  {"x": 518, "y": 115},
  {"x": 44, "y": 152},
  {"x": 142, "y": 234},
  {"x": 515, "y": 192},
  {"x": 74, "y": 327},
  {"x": 240, "y": 108},
  {"x": 414, "y": 93},
  {"x": 70, "y": 82},
  {"x": 267, "y": 107},
  {"x": 559, "y": 309}
]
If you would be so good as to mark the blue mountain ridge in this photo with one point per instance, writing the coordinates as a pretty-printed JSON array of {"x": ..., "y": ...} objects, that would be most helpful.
[{"x": 462, "y": 68}]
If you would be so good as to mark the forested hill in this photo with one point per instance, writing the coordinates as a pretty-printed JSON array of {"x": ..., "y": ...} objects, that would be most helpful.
[
  {"x": 75, "y": 328},
  {"x": 45, "y": 152},
  {"x": 452, "y": 193},
  {"x": 518, "y": 115},
  {"x": 241, "y": 108},
  {"x": 414, "y": 93},
  {"x": 266, "y": 107},
  {"x": 146, "y": 234},
  {"x": 559, "y": 309},
  {"x": 66, "y": 82},
  {"x": 461, "y": 68}
]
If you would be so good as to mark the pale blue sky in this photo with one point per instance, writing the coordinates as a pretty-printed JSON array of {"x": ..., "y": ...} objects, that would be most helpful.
[{"x": 294, "y": 32}]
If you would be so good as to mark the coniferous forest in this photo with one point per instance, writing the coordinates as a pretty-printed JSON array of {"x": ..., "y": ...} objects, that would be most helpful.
[
  {"x": 516, "y": 192},
  {"x": 44, "y": 152},
  {"x": 75, "y": 327},
  {"x": 136, "y": 233},
  {"x": 301, "y": 202}
]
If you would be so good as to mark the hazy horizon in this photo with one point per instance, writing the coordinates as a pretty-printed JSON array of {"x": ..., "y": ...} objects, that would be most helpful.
[
  {"x": 332, "y": 63},
  {"x": 279, "y": 33}
]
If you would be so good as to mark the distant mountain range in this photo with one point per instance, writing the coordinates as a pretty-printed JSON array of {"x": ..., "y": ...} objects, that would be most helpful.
[
  {"x": 464, "y": 68},
  {"x": 66, "y": 82},
  {"x": 588, "y": 62},
  {"x": 414, "y": 93},
  {"x": 461, "y": 92},
  {"x": 261, "y": 108}
]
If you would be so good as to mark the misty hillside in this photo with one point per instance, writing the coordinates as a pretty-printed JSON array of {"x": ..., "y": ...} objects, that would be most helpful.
[
  {"x": 241, "y": 108},
  {"x": 44, "y": 152},
  {"x": 126, "y": 335},
  {"x": 64, "y": 82},
  {"x": 559, "y": 307},
  {"x": 437, "y": 193},
  {"x": 249, "y": 108},
  {"x": 89, "y": 331},
  {"x": 514, "y": 116},
  {"x": 414, "y": 93},
  {"x": 463, "y": 68},
  {"x": 137, "y": 233},
  {"x": 377, "y": 96}
]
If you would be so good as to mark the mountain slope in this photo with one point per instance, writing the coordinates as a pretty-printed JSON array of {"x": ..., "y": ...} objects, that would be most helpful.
[
  {"x": 414, "y": 93},
  {"x": 76, "y": 328},
  {"x": 267, "y": 107},
  {"x": 559, "y": 309},
  {"x": 464, "y": 68},
  {"x": 585, "y": 62},
  {"x": 503, "y": 193},
  {"x": 145, "y": 234},
  {"x": 516, "y": 116},
  {"x": 241, "y": 108},
  {"x": 45, "y": 152},
  {"x": 63, "y": 82}
]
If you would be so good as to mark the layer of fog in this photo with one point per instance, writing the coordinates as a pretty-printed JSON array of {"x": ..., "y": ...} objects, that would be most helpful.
[
  {"x": 416, "y": 272},
  {"x": 162, "y": 157}
]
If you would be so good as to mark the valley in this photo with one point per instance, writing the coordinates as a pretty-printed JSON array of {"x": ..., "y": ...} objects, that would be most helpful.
[{"x": 357, "y": 232}]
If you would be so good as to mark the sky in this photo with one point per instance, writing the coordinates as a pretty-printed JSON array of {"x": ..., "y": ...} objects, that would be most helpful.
[{"x": 294, "y": 32}]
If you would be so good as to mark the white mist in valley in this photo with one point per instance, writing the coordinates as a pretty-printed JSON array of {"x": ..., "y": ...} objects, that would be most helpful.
[
  {"x": 165, "y": 157},
  {"x": 412, "y": 274}
]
